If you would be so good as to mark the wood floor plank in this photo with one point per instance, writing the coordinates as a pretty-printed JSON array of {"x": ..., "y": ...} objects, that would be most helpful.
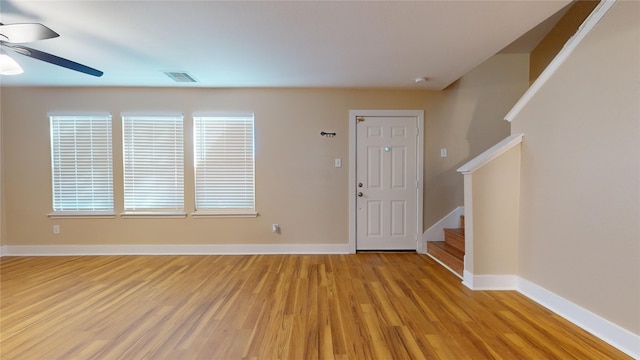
[{"x": 362, "y": 306}]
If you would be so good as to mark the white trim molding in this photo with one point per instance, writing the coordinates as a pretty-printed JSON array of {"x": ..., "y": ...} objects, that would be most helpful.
[
  {"x": 490, "y": 154},
  {"x": 204, "y": 249},
  {"x": 82, "y": 214},
  {"x": 616, "y": 336},
  {"x": 153, "y": 215},
  {"x": 489, "y": 282},
  {"x": 589, "y": 23}
]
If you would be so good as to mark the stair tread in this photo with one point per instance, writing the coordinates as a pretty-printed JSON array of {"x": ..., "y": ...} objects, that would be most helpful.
[
  {"x": 447, "y": 254},
  {"x": 455, "y": 238},
  {"x": 455, "y": 252},
  {"x": 450, "y": 251},
  {"x": 458, "y": 231}
]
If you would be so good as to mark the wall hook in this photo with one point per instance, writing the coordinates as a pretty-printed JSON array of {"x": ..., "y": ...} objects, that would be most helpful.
[{"x": 328, "y": 134}]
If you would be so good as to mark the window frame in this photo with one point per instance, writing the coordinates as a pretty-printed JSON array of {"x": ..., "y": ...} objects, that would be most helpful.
[
  {"x": 107, "y": 188},
  {"x": 136, "y": 210},
  {"x": 200, "y": 211}
]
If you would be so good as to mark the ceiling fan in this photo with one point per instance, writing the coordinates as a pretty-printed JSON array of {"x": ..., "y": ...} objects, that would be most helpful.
[{"x": 13, "y": 34}]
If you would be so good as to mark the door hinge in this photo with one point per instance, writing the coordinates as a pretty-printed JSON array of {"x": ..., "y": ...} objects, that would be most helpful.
[
  {"x": 360, "y": 119},
  {"x": 417, "y": 131}
]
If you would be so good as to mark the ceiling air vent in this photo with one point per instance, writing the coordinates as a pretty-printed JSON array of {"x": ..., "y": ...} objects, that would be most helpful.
[{"x": 181, "y": 77}]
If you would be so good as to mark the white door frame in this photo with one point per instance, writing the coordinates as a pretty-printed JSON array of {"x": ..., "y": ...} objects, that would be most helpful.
[{"x": 353, "y": 114}]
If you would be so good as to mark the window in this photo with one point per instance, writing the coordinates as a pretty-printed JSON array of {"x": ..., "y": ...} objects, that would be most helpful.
[
  {"x": 153, "y": 155},
  {"x": 81, "y": 164},
  {"x": 224, "y": 165}
]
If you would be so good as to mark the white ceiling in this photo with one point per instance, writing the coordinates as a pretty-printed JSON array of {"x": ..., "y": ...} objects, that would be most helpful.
[{"x": 371, "y": 44}]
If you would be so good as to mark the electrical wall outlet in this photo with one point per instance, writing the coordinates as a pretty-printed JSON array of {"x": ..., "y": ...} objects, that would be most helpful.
[
  {"x": 275, "y": 228},
  {"x": 56, "y": 229}
]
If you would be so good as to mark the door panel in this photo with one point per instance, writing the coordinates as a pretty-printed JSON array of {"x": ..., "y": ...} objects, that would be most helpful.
[
  {"x": 398, "y": 215},
  {"x": 374, "y": 221},
  {"x": 398, "y": 168},
  {"x": 386, "y": 165},
  {"x": 374, "y": 171}
]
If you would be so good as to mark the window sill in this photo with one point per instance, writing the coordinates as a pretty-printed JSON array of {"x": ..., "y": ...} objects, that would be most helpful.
[
  {"x": 229, "y": 214},
  {"x": 153, "y": 215},
  {"x": 82, "y": 215}
]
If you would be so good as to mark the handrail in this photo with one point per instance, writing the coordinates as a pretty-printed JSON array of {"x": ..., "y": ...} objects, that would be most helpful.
[
  {"x": 589, "y": 23},
  {"x": 490, "y": 154}
]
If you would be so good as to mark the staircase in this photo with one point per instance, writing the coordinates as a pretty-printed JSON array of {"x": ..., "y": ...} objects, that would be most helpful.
[{"x": 450, "y": 251}]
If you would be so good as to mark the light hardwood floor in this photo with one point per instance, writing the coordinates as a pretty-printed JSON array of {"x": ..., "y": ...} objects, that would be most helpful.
[{"x": 364, "y": 306}]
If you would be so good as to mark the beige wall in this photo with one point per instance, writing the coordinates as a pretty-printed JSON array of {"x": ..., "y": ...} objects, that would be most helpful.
[
  {"x": 467, "y": 118},
  {"x": 549, "y": 47},
  {"x": 580, "y": 193},
  {"x": 495, "y": 189},
  {"x": 297, "y": 185}
]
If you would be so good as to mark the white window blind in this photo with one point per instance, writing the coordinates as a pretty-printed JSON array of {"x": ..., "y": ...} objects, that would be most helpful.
[
  {"x": 153, "y": 154},
  {"x": 224, "y": 164},
  {"x": 81, "y": 163}
]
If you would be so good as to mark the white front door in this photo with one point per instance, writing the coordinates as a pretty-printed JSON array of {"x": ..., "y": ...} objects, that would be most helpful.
[{"x": 387, "y": 182}]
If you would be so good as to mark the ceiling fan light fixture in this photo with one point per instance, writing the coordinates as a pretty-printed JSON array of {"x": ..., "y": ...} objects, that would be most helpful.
[{"x": 8, "y": 66}]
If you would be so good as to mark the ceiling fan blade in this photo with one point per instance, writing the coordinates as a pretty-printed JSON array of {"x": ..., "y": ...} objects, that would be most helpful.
[
  {"x": 22, "y": 33},
  {"x": 52, "y": 59}
]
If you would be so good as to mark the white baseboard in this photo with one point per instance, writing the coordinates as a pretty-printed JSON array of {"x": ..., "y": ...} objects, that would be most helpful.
[
  {"x": 205, "y": 249},
  {"x": 616, "y": 336},
  {"x": 436, "y": 232},
  {"x": 489, "y": 282},
  {"x": 620, "y": 338}
]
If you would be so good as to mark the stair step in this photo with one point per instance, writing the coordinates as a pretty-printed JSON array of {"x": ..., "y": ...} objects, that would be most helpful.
[
  {"x": 455, "y": 238},
  {"x": 447, "y": 254}
]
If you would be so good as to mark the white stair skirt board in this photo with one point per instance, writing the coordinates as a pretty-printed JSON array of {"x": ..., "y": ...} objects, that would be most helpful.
[
  {"x": 436, "y": 232},
  {"x": 614, "y": 335},
  {"x": 205, "y": 249}
]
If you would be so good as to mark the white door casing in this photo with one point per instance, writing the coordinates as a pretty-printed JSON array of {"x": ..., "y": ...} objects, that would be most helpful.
[{"x": 385, "y": 169}]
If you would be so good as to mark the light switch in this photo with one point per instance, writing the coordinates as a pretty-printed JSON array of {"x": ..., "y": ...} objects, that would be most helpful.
[
  {"x": 443, "y": 152},
  {"x": 338, "y": 162}
]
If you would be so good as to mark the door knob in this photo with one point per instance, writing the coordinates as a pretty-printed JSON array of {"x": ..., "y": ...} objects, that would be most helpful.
[{"x": 360, "y": 194}]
